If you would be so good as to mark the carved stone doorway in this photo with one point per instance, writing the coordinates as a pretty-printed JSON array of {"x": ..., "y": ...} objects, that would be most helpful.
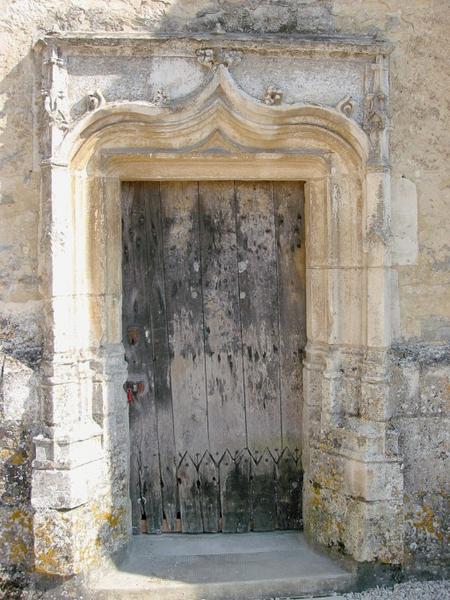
[{"x": 348, "y": 452}]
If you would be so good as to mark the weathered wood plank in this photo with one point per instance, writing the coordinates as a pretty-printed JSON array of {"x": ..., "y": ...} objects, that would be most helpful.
[
  {"x": 158, "y": 338},
  {"x": 223, "y": 344},
  {"x": 235, "y": 492},
  {"x": 208, "y": 474},
  {"x": 264, "y": 507},
  {"x": 259, "y": 308},
  {"x": 145, "y": 475},
  {"x": 190, "y": 496},
  {"x": 179, "y": 202},
  {"x": 289, "y": 480},
  {"x": 181, "y": 244},
  {"x": 289, "y": 221}
]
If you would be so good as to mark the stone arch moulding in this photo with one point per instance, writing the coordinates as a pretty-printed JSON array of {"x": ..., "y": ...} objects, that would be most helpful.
[{"x": 353, "y": 484}]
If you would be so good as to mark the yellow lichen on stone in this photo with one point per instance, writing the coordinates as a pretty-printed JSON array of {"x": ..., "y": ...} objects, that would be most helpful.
[
  {"x": 18, "y": 458},
  {"x": 426, "y": 522}
]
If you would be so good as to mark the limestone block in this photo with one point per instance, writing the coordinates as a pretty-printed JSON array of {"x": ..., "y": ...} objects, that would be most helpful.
[
  {"x": 113, "y": 242},
  {"x": 57, "y": 234},
  {"x": 300, "y": 80},
  {"x": 405, "y": 243},
  {"x": 92, "y": 269},
  {"x": 346, "y": 306},
  {"x": 323, "y": 514},
  {"x": 17, "y": 390},
  {"x": 311, "y": 424},
  {"x": 113, "y": 328},
  {"x": 66, "y": 489},
  {"x": 58, "y": 403},
  {"x": 316, "y": 222},
  {"x": 65, "y": 545},
  {"x": 326, "y": 469},
  {"x": 312, "y": 385},
  {"x": 373, "y": 481},
  {"x": 345, "y": 221},
  {"x": 404, "y": 389},
  {"x": 68, "y": 448},
  {"x": 360, "y": 439},
  {"x": 435, "y": 390},
  {"x": 427, "y": 532},
  {"x": 375, "y": 402},
  {"x": 348, "y": 388},
  {"x": 377, "y": 226},
  {"x": 378, "y": 307},
  {"x": 374, "y": 531},
  {"x": 62, "y": 322},
  {"x": 317, "y": 317},
  {"x": 424, "y": 446}
]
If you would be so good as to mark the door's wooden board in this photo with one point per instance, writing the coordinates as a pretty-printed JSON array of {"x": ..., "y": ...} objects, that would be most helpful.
[
  {"x": 289, "y": 480},
  {"x": 180, "y": 222},
  {"x": 223, "y": 352},
  {"x": 259, "y": 307},
  {"x": 263, "y": 476},
  {"x": 235, "y": 492},
  {"x": 179, "y": 202},
  {"x": 190, "y": 496},
  {"x": 208, "y": 474},
  {"x": 158, "y": 338},
  {"x": 289, "y": 222},
  {"x": 145, "y": 474}
]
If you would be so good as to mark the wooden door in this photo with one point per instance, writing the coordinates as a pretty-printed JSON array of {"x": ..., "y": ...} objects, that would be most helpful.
[{"x": 214, "y": 332}]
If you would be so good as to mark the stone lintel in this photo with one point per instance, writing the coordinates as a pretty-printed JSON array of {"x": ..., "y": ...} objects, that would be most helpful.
[{"x": 120, "y": 42}]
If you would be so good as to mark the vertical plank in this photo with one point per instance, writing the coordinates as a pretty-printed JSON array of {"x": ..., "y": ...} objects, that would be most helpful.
[
  {"x": 181, "y": 249},
  {"x": 289, "y": 480},
  {"x": 263, "y": 492},
  {"x": 137, "y": 513},
  {"x": 208, "y": 474},
  {"x": 160, "y": 351},
  {"x": 220, "y": 286},
  {"x": 257, "y": 268},
  {"x": 235, "y": 492},
  {"x": 145, "y": 474},
  {"x": 259, "y": 308},
  {"x": 289, "y": 220},
  {"x": 190, "y": 496}
]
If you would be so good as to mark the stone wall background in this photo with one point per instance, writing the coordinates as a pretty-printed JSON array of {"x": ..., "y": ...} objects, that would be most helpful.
[{"x": 420, "y": 142}]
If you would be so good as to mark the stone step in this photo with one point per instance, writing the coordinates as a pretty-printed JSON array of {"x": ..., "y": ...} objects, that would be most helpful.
[{"x": 253, "y": 566}]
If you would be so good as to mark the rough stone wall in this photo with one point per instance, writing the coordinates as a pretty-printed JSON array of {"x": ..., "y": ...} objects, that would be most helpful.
[{"x": 420, "y": 138}]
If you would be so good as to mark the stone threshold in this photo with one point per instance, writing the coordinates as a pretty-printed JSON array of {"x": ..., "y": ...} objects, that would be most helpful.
[{"x": 250, "y": 566}]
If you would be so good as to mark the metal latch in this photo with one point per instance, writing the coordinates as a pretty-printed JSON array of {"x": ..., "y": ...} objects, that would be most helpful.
[{"x": 132, "y": 389}]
